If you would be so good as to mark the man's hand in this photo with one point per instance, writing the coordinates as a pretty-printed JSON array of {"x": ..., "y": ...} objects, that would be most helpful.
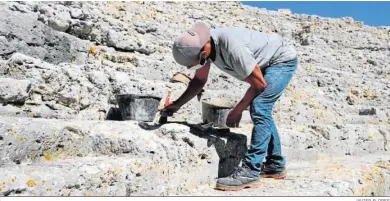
[
  {"x": 258, "y": 84},
  {"x": 171, "y": 108},
  {"x": 234, "y": 118}
]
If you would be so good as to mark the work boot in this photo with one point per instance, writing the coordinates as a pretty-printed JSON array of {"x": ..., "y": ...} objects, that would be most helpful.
[
  {"x": 241, "y": 178},
  {"x": 270, "y": 171}
]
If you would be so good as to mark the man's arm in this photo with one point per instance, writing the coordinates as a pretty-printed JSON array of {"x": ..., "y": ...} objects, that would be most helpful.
[
  {"x": 195, "y": 85},
  {"x": 257, "y": 85}
]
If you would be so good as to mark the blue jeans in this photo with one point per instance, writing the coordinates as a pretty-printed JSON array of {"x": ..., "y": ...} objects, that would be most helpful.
[{"x": 265, "y": 137}]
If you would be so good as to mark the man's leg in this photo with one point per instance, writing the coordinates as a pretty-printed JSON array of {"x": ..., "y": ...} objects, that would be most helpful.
[
  {"x": 275, "y": 162},
  {"x": 261, "y": 110},
  {"x": 264, "y": 128},
  {"x": 265, "y": 137}
]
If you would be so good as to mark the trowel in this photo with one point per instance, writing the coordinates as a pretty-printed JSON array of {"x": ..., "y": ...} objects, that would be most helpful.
[{"x": 164, "y": 115}]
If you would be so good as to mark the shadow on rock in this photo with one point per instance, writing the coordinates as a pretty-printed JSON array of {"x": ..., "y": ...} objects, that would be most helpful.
[
  {"x": 230, "y": 147},
  {"x": 114, "y": 114}
]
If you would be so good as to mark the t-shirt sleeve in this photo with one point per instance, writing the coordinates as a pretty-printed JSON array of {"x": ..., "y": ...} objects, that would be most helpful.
[{"x": 242, "y": 61}]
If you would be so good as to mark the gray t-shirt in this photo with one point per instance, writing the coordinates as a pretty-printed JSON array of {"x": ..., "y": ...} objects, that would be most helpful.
[{"x": 238, "y": 50}]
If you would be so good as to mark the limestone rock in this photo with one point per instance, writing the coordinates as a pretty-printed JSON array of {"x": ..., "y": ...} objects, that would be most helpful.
[
  {"x": 76, "y": 13},
  {"x": 14, "y": 91},
  {"x": 63, "y": 63},
  {"x": 99, "y": 79},
  {"x": 130, "y": 44}
]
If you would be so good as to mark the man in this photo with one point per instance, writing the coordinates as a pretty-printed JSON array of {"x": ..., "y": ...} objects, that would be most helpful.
[{"x": 264, "y": 61}]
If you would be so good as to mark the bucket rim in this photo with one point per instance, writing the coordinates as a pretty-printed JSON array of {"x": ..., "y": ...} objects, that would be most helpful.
[
  {"x": 215, "y": 106},
  {"x": 138, "y": 96}
]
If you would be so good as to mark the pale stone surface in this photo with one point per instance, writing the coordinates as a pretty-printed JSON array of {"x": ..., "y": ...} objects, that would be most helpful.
[
  {"x": 64, "y": 62},
  {"x": 14, "y": 91}
]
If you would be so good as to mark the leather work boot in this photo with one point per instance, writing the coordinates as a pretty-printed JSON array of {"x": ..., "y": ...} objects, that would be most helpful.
[
  {"x": 241, "y": 178},
  {"x": 268, "y": 171}
]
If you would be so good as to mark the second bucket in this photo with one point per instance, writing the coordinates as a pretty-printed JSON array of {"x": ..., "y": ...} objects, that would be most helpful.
[{"x": 138, "y": 107}]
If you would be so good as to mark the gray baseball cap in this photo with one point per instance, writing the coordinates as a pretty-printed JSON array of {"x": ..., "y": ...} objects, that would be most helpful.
[{"x": 187, "y": 46}]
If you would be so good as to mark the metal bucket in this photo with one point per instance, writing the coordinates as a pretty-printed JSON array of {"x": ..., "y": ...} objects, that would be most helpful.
[
  {"x": 138, "y": 107},
  {"x": 215, "y": 114}
]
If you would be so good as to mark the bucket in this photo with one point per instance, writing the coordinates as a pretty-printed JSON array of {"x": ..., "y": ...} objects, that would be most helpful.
[
  {"x": 216, "y": 114},
  {"x": 138, "y": 107}
]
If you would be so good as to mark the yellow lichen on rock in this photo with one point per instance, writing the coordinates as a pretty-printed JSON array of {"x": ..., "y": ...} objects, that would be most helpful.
[
  {"x": 117, "y": 170},
  {"x": 33, "y": 155},
  {"x": 31, "y": 183},
  {"x": 370, "y": 94},
  {"x": 12, "y": 131},
  {"x": 120, "y": 8},
  {"x": 310, "y": 69},
  {"x": 47, "y": 156},
  {"x": 93, "y": 51},
  {"x": 373, "y": 182},
  {"x": 383, "y": 164},
  {"x": 359, "y": 23},
  {"x": 171, "y": 17},
  {"x": 58, "y": 152}
]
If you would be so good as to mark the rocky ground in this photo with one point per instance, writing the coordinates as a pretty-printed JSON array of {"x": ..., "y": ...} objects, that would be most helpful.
[{"x": 62, "y": 63}]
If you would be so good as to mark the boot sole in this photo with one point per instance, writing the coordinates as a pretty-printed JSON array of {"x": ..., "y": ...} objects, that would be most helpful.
[
  {"x": 281, "y": 175},
  {"x": 221, "y": 187}
]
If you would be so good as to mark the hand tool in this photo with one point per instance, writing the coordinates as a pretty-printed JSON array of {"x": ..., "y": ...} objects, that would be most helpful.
[{"x": 164, "y": 114}]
